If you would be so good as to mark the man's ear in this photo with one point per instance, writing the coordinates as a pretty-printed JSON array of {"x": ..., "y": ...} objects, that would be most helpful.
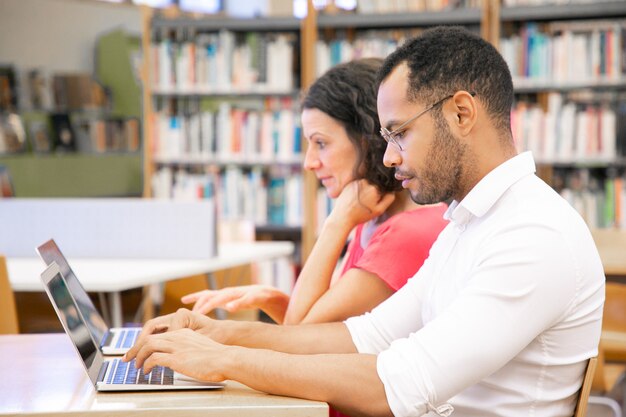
[{"x": 463, "y": 112}]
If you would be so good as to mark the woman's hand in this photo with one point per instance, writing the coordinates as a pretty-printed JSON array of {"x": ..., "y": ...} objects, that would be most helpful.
[
  {"x": 269, "y": 299},
  {"x": 360, "y": 202}
]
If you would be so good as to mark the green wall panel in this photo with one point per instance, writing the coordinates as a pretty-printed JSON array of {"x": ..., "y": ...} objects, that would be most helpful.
[{"x": 75, "y": 175}]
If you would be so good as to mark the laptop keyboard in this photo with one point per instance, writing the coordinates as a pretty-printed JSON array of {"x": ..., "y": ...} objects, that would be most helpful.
[
  {"x": 126, "y": 373},
  {"x": 127, "y": 338}
]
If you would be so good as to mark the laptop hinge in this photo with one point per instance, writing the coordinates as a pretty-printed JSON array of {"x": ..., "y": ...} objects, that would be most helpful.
[
  {"x": 107, "y": 339},
  {"x": 103, "y": 371}
]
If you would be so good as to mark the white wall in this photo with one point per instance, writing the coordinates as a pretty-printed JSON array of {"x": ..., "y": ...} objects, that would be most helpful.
[{"x": 58, "y": 35}]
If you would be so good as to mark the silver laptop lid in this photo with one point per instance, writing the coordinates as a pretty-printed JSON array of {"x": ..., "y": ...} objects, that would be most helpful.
[
  {"x": 50, "y": 252},
  {"x": 72, "y": 320}
]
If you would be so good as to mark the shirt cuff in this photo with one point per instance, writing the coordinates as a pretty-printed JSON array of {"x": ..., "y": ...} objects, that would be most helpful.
[{"x": 407, "y": 386}]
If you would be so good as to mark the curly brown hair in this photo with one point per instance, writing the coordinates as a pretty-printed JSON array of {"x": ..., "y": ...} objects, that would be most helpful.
[{"x": 347, "y": 93}]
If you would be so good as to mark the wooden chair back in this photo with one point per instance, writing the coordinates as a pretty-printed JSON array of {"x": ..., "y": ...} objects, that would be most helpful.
[
  {"x": 585, "y": 389},
  {"x": 8, "y": 312}
]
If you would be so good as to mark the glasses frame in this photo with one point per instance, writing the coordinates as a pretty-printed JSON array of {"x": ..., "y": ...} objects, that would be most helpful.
[{"x": 390, "y": 136}]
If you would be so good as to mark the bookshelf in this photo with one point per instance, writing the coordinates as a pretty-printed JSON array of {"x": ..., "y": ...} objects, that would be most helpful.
[
  {"x": 232, "y": 135},
  {"x": 570, "y": 110},
  {"x": 310, "y": 32}
]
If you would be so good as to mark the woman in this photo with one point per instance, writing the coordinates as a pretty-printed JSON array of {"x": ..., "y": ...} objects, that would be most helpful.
[{"x": 393, "y": 235}]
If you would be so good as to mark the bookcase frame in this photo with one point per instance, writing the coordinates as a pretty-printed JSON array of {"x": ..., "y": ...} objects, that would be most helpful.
[
  {"x": 490, "y": 17},
  {"x": 602, "y": 10},
  {"x": 308, "y": 28}
]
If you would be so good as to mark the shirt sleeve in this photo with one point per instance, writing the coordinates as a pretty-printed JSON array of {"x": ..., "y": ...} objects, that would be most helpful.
[
  {"x": 399, "y": 247},
  {"x": 374, "y": 332},
  {"x": 512, "y": 285}
]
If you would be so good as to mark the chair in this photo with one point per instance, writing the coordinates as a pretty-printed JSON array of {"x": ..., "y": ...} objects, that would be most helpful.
[
  {"x": 606, "y": 384},
  {"x": 614, "y": 322},
  {"x": 8, "y": 312},
  {"x": 585, "y": 389}
]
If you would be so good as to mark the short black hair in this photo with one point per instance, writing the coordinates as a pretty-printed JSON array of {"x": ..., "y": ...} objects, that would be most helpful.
[
  {"x": 445, "y": 59},
  {"x": 347, "y": 93}
]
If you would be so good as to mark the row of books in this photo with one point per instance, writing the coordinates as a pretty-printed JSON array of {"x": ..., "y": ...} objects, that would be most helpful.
[
  {"x": 223, "y": 62},
  {"x": 269, "y": 133},
  {"x": 112, "y": 135},
  {"x": 36, "y": 89},
  {"x": 279, "y": 273},
  {"x": 364, "y": 44},
  {"x": 567, "y": 131},
  {"x": 8, "y": 90},
  {"x": 74, "y": 92},
  {"x": 273, "y": 198},
  {"x": 601, "y": 203},
  {"x": 567, "y": 51},
  {"x": 67, "y": 132},
  {"x": 402, "y": 6}
]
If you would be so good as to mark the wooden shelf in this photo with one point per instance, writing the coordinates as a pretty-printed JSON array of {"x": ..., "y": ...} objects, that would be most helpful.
[
  {"x": 226, "y": 161},
  {"x": 217, "y": 23},
  {"x": 583, "y": 163},
  {"x": 591, "y": 10},
  {"x": 461, "y": 16},
  {"x": 210, "y": 92},
  {"x": 290, "y": 232},
  {"x": 535, "y": 86}
]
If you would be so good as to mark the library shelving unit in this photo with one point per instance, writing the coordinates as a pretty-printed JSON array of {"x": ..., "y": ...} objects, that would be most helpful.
[
  {"x": 570, "y": 109},
  {"x": 312, "y": 34},
  {"x": 220, "y": 98},
  {"x": 343, "y": 37}
]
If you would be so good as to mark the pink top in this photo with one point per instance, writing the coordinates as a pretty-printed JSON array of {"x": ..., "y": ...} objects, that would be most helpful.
[{"x": 399, "y": 246}]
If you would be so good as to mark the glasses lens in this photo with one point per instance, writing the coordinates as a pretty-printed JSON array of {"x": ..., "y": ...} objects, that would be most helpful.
[{"x": 389, "y": 138}]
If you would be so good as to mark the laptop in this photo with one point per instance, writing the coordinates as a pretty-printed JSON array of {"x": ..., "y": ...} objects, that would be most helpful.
[
  {"x": 112, "y": 341},
  {"x": 108, "y": 374}
]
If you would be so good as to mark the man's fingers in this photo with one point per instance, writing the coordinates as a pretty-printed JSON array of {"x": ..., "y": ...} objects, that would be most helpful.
[
  {"x": 156, "y": 325},
  {"x": 180, "y": 320},
  {"x": 156, "y": 343},
  {"x": 156, "y": 359}
]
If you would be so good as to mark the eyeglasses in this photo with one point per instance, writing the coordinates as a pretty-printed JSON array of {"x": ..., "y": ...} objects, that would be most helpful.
[{"x": 390, "y": 137}]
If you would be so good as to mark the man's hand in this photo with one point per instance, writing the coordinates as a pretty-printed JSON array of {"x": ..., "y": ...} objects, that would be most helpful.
[
  {"x": 182, "y": 319},
  {"x": 185, "y": 351}
]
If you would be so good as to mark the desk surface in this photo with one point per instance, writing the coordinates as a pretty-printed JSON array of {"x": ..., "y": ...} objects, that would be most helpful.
[
  {"x": 108, "y": 275},
  {"x": 47, "y": 378}
]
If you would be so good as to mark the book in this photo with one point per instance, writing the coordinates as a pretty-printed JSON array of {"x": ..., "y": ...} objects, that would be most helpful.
[{"x": 64, "y": 138}]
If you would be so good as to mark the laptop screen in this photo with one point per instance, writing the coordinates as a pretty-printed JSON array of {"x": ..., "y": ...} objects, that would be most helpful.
[
  {"x": 50, "y": 252},
  {"x": 68, "y": 313}
]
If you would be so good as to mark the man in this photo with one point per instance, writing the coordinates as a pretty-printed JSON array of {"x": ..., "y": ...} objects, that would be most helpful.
[{"x": 503, "y": 315}]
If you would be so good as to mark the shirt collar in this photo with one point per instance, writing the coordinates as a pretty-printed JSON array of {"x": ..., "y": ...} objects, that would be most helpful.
[{"x": 490, "y": 188}]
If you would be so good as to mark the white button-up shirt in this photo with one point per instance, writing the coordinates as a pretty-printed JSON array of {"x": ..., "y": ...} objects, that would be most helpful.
[{"x": 503, "y": 315}]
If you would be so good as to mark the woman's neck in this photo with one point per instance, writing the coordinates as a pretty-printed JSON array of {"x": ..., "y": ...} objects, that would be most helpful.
[{"x": 402, "y": 203}]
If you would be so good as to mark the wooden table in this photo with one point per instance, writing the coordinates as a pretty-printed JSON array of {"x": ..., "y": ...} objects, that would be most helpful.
[{"x": 42, "y": 375}]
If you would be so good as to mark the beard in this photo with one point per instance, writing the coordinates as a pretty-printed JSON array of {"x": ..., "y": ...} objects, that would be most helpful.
[{"x": 441, "y": 178}]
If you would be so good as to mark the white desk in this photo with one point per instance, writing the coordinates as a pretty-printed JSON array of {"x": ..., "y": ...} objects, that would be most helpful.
[
  {"x": 116, "y": 275},
  {"x": 44, "y": 377}
]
